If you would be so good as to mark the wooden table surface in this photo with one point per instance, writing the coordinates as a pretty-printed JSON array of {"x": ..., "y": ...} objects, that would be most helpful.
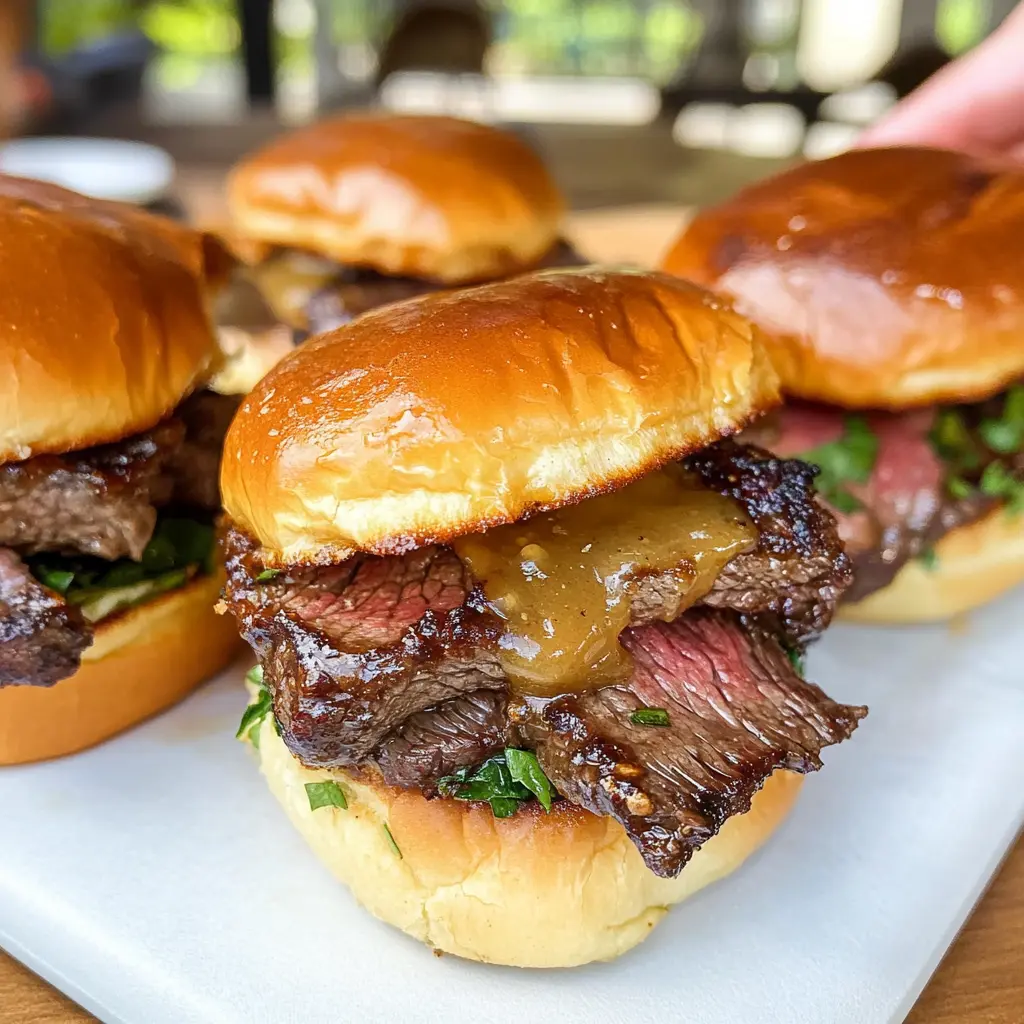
[{"x": 981, "y": 980}]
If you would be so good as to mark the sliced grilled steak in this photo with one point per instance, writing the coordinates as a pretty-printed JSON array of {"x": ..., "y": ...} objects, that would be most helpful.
[
  {"x": 906, "y": 507},
  {"x": 799, "y": 568},
  {"x": 195, "y": 464},
  {"x": 99, "y": 501},
  {"x": 737, "y": 712},
  {"x": 41, "y": 637},
  {"x": 102, "y": 501},
  {"x": 351, "y": 651},
  {"x": 358, "y": 290},
  {"x": 434, "y": 743}
]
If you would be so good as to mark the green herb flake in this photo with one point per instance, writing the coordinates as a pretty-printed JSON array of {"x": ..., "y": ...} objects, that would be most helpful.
[
  {"x": 796, "y": 659},
  {"x": 178, "y": 549},
  {"x": 267, "y": 575},
  {"x": 1013, "y": 407},
  {"x": 391, "y": 841},
  {"x": 649, "y": 716},
  {"x": 325, "y": 794},
  {"x": 929, "y": 560},
  {"x": 996, "y": 481},
  {"x": 526, "y": 770},
  {"x": 1001, "y": 436},
  {"x": 56, "y": 579},
  {"x": 1006, "y": 434},
  {"x": 254, "y": 714},
  {"x": 848, "y": 460},
  {"x": 959, "y": 488},
  {"x": 253, "y": 735},
  {"x": 505, "y": 781}
]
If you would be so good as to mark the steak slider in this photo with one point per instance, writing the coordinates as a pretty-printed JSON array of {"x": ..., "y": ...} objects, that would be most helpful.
[
  {"x": 360, "y": 210},
  {"x": 109, "y": 455},
  {"x": 888, "y": 285},
  {"x": 529, "y": 625}
]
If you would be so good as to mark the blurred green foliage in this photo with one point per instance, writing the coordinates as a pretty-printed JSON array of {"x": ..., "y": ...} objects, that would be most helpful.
[
  {"x": 646, "y": 37},
  {"x": 961, "y": 24},
  {"x": 541, "y": 36}
]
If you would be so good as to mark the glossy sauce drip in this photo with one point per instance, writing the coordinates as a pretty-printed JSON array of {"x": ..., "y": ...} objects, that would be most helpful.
[
  {"x": 564, "y": 581},
  {"x": 289, "y": 279}
]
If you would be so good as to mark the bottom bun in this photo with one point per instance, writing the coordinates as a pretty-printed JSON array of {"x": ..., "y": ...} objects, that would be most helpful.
[
  {"x": 140, "y": 662},
  {"x": 973, "y": 565},
  {"x": 533, "y": 890}
]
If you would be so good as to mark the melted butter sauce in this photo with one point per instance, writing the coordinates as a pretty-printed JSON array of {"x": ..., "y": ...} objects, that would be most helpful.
[
  {"x": 288, "y": 279},
  {"x": 564, "y": 581}
]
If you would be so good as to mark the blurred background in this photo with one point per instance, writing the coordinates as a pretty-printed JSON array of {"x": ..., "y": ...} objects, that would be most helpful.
[{"x": 642, "y": 101}]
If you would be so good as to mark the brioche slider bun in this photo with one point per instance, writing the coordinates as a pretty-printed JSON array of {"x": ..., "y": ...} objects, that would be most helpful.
[
  {"x": 103, "y": 321},
  {"x": 428, "y": 197},
  {"x": 103, "y": 333},
  {"x": 972, "y": 565},
  {"x": 884, "y": 278},
  {"x": 442, "y": 416},
  {"x": 141, "y": 662},
  {"x": 455, "y": 412},
  {"x": 533, "y": 890}
]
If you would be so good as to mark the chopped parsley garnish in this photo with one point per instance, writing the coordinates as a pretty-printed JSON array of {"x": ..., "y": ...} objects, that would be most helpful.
[
  {"x": 505, "y": 781},
  {"x": 959, "y": 488},
  {"x": 848, "y": 460},
  {"x": 325, "y": 794},
  {"x": 267, "y": 575},
  {"x": 526, "y": 770},
  {"x": 998, "y": 482},
  {"x": 263, "y": 705},
  {"x": 1006, "y": 434},
  {"x": 796, "y": 659},
  {"x": 177, "y": 551},
  {"x": 649, "y": 716},
  {"x": 929, "y": 560},
  {"x": 966, "y": 448},
  {"x": 391, "y": 841}
]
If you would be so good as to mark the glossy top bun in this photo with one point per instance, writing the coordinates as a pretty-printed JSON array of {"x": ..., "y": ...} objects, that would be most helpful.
[
  {"x": 430, "y": 197},
  {"x": 884, "y": 278},
  {"x": 204, "y": 253},
  {"x": 456, "y": 411},
  {"x": 103, "y": 320}
]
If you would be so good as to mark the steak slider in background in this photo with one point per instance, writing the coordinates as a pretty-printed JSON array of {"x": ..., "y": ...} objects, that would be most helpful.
[
  {"x": 365, "y": 209},
  {"x": 529, "y": 625},
  {"x": 889, "y": 286},
  {"x": 109, "y": 455}
]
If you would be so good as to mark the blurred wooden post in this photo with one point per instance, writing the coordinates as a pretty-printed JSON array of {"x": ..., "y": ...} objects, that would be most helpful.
[
  {"x": 14, "y": 20},
  {"x": 256, "y": 19}
]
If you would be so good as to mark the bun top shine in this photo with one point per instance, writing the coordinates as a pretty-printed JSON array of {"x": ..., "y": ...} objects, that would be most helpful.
[
  {"x": 882, "y": 278},
  {"x": 103, "y": 319},
  {"x": 453, "y": 412},
  {"x": 435, "y": 198}
]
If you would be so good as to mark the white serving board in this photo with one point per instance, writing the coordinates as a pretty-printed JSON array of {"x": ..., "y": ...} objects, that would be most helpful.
[{"x": 156, "y": 881}]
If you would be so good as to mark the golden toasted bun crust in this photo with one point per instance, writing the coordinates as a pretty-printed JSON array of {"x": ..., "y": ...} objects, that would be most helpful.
[
  {"x": 533, "y": 890},
  {"x": 453, "y": 412},
  {"x": 207, "y": 255},
  {"x": 430, "y": 197},
  {"x": 140, "y": 663},
  {"x": 883, "y": 278},
  {"x": 974, "y": 564},
  {"x": 103, "y": 322}
]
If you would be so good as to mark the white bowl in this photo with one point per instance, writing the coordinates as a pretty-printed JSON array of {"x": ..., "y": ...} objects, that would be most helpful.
[{"x": 131, "y": 172}]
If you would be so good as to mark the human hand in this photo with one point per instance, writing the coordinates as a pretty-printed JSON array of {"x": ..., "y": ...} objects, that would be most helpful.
[{"x": 975, "y": 104}]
